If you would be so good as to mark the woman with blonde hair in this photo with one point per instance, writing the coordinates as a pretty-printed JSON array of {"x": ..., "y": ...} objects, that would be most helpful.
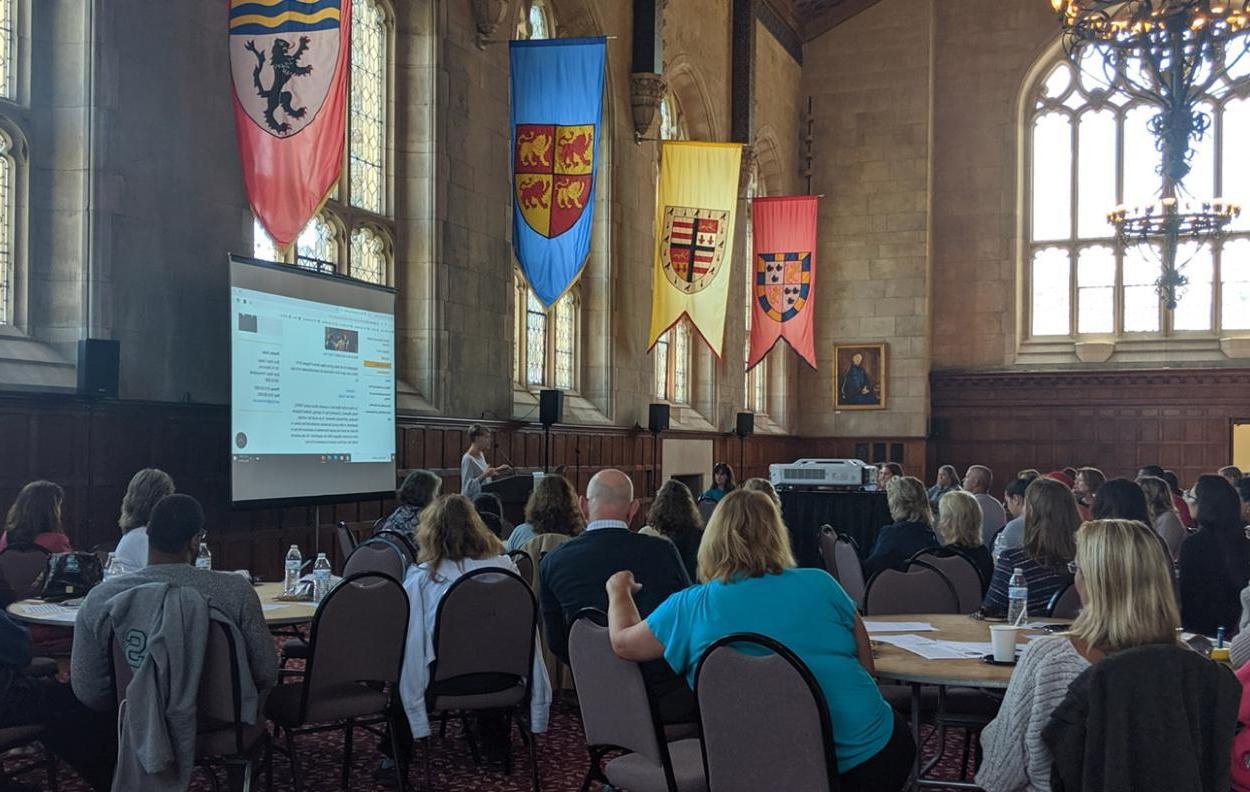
[
  {"x": 1162, "y": 512},
  {"x": 1050, "y": 524},
  {"x": 453, "y": 542},
  {"x": 959, "y": 530},
  {"x": 947, "y": 481},
  {"x": 674, "y": 516},
  {"x": 750, "y": 584},
  {"x": 146, "y": 488},
  {"x": 765, "y": 486},
  {"x": 911, "y": 532},
  {"x": 552, "y": 508},
  {"x": 1127, "y": 601}
]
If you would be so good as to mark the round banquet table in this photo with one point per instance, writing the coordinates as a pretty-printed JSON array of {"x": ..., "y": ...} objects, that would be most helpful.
[
  {"x": 895, "y": 664},
  {"x": 276, "y": 612}
]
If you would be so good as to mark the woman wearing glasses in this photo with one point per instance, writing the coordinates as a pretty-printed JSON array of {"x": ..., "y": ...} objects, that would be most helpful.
[
  {"x": 1214, "y": 562},
  {"x": 1126, "y": 601}
]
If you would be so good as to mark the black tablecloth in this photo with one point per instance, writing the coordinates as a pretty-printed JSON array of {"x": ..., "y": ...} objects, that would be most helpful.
[{"x": 860, "y": 514}]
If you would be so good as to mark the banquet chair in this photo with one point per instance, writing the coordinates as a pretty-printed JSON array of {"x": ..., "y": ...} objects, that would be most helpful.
[
  {"x": 524, "y": 566},
  {"x": 402, "y": 541},
  {"x": 618, "y": 713},
  {"x": 485, "y": 632},
  {"x": 346, "y": 539},
  {"x": 19, "y": 568},
  {"x": 847, "y": 567},
  {"x": 961, "y": 573},
  {"x": 356, "y": 651},
  {"x": 764, "y": 718},
  {"x": 1065, "y": 604},
  {"x": 921, "y": 589},
  {"x": 706, "y": 507},
  {"x": 377, "y": 554}
]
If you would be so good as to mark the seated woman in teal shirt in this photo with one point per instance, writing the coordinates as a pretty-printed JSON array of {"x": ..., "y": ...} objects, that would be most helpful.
[
  {"x": 723, "y": 483},
  {"x": 750, "y": 584}
]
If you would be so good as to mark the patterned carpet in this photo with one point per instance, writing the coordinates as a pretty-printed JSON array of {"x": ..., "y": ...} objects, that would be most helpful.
[{"x": 562, "y": 762}]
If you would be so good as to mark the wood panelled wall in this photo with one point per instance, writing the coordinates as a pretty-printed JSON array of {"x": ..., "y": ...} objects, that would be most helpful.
[
  {"x": 93, "y": 448},
  {"x": 1114, "y": 420}
]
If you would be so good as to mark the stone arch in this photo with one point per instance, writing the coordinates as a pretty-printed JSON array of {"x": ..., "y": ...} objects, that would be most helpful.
[{"x": 687, "y": 83}]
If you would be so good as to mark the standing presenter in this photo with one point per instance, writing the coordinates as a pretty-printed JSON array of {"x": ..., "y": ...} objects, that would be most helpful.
[{"x": 474, "y": 471}]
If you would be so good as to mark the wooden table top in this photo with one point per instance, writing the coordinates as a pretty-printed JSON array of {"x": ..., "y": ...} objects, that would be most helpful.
[
  {"x": 277, "y": 613},
  {"x": 896, "y": 664}
]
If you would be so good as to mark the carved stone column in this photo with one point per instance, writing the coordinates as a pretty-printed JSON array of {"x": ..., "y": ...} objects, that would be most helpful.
[
  {"x": 750, "y": 165},
  {"x": 489, "y": 15},
  {"x": 646, "y": 91}
]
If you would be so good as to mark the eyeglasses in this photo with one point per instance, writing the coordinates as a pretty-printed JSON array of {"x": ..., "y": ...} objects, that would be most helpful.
[{"x": 1072, "y": 567}]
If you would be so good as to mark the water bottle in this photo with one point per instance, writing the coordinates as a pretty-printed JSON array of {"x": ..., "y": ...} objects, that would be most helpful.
[
  {"x": 321, "y": 577},
  {"x": 1017, "y": 598},
  {"x": 205, "y": 559},
  {"x": 112, "y": 567},
  {"x": 293, "y": 563}
]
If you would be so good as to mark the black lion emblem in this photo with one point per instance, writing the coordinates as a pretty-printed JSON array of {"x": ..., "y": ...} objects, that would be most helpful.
[{"x": 285, "y": 66}]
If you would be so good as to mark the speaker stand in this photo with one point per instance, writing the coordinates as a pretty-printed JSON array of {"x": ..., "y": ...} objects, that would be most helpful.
[
  {"x": 742, "y": 458},
  {"x": 655, "y": 455},
  {"x": 546, "y": 448}
]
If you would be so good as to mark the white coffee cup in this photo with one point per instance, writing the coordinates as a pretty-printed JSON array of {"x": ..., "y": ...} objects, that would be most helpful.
[{"x": 1003, "y": 637}]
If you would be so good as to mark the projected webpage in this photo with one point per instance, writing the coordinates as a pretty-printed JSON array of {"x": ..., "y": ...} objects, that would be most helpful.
[{"x": 312, "y": 384}]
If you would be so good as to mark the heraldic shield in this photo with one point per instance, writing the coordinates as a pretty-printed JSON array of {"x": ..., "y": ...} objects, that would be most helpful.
[
  {"x": 693, "y": 246},
  {"x": 783, "y": 282},
  {"x": 283, "y": 60},
  {"x": 554, "y": 167}
]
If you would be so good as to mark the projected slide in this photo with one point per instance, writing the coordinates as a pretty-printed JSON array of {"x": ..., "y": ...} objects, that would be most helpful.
[{"x": 313, "y": 386}]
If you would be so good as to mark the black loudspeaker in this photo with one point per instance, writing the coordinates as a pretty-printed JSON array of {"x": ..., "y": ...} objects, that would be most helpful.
[
  {"x": 657, "y": 419},
  {"x": 746, "y": 424},
  {"x": 550, "y": 407},
  {"x": 98, "y": 361}
]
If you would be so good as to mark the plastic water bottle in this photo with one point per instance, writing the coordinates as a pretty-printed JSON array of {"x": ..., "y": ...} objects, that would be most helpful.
[
  {"x": 321, "y": 577},
  {"x": 293, "y": 563},
  {"x": 1017, "y": 598},
  {"x": 205, "y": 559},
  {"x": 112, "y": 567}
]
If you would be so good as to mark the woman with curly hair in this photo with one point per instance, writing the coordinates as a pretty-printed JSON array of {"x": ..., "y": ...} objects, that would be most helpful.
[
  {"x": 553, "y": 508},
  {"x": 674, "y": 516}
]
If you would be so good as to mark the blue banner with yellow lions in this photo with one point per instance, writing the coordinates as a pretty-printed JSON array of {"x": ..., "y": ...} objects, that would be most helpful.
[{"x": 557, "y": 99}]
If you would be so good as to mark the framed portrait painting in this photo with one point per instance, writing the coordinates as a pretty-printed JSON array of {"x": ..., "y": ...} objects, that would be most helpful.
[{"x": 860, "y": 376}]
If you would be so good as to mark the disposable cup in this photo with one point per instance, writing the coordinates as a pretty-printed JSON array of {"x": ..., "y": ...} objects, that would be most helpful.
[{"x": 1003, "y": 637}]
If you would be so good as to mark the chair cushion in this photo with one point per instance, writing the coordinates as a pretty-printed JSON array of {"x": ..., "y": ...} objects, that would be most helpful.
[
  {"x": 17, "y": 736},
  {"x": 295, "y": 647},
  {"x": 639, "y": 774},
  {"x": 479, "y": 701},
  {"x": 211, "y": 741},
  {"x": 350, "y": 700}
]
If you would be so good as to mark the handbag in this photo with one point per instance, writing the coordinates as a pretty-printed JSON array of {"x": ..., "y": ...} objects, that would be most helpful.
[{"x": 69, "y": 575}]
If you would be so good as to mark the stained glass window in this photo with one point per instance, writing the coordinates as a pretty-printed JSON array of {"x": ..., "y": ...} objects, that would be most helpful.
[
  {"x": 368, "y": 255},
  {"x": 262, "y": 244},
  {"x": 1091, "y": 149},
  {"x": 368, "y": 106},
  {"x": 535, "y": 340},
  {"x": 318, "y": 246},
  {"x": 8, "y": 70},
  {"x": 566, "y": 334},
  {"x": 681, "y": 363},
  {"x": 660, "y": 351},
  {"x": 672, "y": 125},
  {"x": 6, "y": 227},
  {"x": 534, "y": 20}
]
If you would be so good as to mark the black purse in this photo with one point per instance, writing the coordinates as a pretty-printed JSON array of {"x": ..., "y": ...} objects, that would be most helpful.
[{"x": 69, "y": 575}]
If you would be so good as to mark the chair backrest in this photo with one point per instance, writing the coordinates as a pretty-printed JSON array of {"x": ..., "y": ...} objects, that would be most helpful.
[
  {"x": 1065, "y": 604},
  {"x": 486, "y": 623},
  {"x": 829, "y": 550},
  {"x": 706, "y": 507},
  {"x": 346, "y": 539},
  {"x": 524, "y": 566},
  {"x": 20, "y": 566},
  {"x": 764, "y": 718},
  {"x": 921, "y": 589},
  {"x": 402, "y": 541},
  {"x": 961, "y": 573},
  {"x": 617, "y": 709},
  {"x": 850, "y": 570},
  {"x": 377, "y": 554},
  {"x": 357, "y": 636}
]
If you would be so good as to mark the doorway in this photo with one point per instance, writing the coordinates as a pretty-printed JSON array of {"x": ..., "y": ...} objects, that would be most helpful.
[{"x": 1241, "y": 444}]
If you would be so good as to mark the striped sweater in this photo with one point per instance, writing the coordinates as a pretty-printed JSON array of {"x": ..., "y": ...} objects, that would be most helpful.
[{"x": 1016, "y": 759}]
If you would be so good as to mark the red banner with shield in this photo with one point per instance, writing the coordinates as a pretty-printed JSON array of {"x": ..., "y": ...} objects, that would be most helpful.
[{"x": 783, "y": 284}]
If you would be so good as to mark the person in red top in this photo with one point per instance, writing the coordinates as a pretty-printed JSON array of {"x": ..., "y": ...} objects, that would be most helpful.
[{"x": 35, "y": 518}]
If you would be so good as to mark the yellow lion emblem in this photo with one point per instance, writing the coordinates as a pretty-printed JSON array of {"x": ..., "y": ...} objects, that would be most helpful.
[
  {"x": 569, "y": 196},
  {"x": 533, "y": 148}
]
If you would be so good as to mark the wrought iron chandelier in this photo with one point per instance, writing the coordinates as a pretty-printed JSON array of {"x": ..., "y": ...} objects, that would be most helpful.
[{"x": 1169, "y": 53}]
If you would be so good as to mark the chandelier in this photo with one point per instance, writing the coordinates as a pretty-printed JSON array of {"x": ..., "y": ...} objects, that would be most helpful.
[{"x": 1168, "y": 53}]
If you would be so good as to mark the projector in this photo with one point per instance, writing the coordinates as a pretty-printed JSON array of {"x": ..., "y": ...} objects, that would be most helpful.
[{"x": 816, "y": 473}]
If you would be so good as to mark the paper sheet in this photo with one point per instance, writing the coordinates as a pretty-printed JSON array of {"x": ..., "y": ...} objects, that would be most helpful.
[
  {"x": 874, "y": 627},
  {"x": 48, "y": 610},
  {"x": 271, "y": 606},
  {"x": 927, "y": 648}
]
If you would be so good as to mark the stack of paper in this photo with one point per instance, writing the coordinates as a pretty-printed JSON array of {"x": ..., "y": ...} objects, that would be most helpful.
[{"x": 875, "y": 627}]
